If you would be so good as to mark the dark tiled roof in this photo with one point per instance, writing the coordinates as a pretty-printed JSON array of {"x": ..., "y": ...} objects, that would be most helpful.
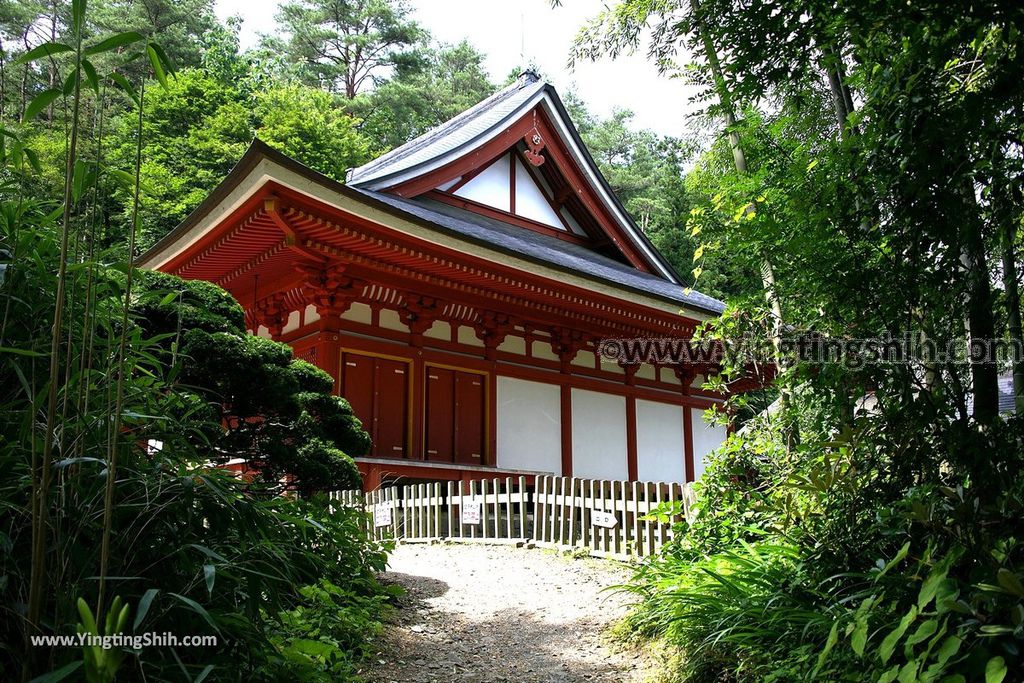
[
  {"x": 550, "y": 250},
  {"x": 461, "y": 130}
]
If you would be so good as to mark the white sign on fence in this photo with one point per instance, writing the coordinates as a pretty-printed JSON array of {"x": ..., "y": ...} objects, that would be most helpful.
[
  {"x": 382, "y": 514},
  {"x": 608, "y": 520},
  {"x": 471, "y": 512}
]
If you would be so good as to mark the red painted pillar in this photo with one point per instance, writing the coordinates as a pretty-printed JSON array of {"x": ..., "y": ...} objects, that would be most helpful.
[
  {"x": 328, "y": 348},
  {"x": 631, "y": 455},
  {"x": 688, "y": 441},
  {"x": 417, "y": 450},
  {"x": 491, "y": 452}
]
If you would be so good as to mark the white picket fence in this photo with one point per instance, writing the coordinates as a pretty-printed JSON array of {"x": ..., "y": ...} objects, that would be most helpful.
[{"x": 601, "y": 518}]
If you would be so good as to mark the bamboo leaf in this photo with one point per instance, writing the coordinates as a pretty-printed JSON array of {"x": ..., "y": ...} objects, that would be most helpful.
[
  {"x": 91, "y": 76},
  {"x": 925, "y": 631},
  {"x": 144, "y": 604},
  {"x": 900, "y": 555},
  {"x": 154, "y": 61},
  {"x": 890, "y": 675},
  {"x": 78, "y": 179},
  {"x": 33, "y": 160},
  {"x": 39, "y": 103},
  {"x": 78, "y": 14},
  {"x": 931, "y": 585},
  {"x": 21, "y": 352},
  {"x": 210, "y": 574},
  {"x": 908, "y": 674},
  {"x": 121, "y": 82},
  {"x": 859, "y": 637},
  {"x": 114, "y": 42},
  {"x": 889, "y": 643},
  {"x": 44, "y": 50},
  {"x": 949, "y": 647},
  {"x": 833, "y": 638},
  {"x": 69, "y": 82},
  {"x": 197, "y": 608},
  {"x": 127, "y": 181},
  {"x": 165, "y": 60},
  {"x": 59, "y": 674}
]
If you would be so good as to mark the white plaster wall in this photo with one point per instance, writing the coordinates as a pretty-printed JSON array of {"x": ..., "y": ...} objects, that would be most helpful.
[
  {"x": 584, "y": 358},
  {"x": 293, "y": 322},
  {"x": 358, "y": 312},
  {"x": 310, "y": 315},
  {"x": 513, "y": 345},
  {"x": 660, "y": 452},
  {"x": 646, "y": 371},
  {"x": 530, "y": 200},
  {"x": 529, "y": 425},
  {"x": 490, "y": 186},
  {"x": 598, "y": 435},
  {"x": 706, "y": 438},
  {"x": 467, "y": 336},
  {"x": 439, "y": 330},
  {"x": 542, "y": 350},
  {"x": 390, "y": 320}
]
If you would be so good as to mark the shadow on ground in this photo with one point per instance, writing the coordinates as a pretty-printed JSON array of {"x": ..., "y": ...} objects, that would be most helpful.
[{"x": 437, "y": 635}]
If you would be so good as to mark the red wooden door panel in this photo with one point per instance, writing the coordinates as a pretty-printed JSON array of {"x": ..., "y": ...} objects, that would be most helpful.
[
  {"x": 440, "y": 418},
  {"x": 469, "y": 418},
  {"x": 391, "y": 401},
  {"x": 357, "y": 387},
  {"x": 377, "y": 389}
]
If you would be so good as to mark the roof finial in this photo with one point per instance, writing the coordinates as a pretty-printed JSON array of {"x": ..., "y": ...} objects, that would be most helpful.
[{"x": 528, "y": 76}]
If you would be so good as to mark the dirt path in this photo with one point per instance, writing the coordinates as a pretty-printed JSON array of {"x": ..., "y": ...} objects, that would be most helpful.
[{"x": 488, "y": 614}]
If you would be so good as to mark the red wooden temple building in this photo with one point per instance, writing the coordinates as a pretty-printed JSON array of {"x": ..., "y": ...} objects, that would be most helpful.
[{"x": 458, "y": 288}]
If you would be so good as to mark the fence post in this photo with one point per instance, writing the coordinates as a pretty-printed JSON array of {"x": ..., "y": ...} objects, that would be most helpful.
[
  {"x": 658, "y": 500},
  {"x": 522, "y": 508},
  {"x": 484, "y": 517},
  {"x": 538, "y": 523}
]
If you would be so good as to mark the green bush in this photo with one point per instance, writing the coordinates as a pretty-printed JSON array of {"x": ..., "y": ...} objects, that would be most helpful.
[
  {"x": 276, "y": 412},
  {"x": 828, "y": 563},
  {"x": 326, "y": 636},
  {"x": 193, "y": 549}
]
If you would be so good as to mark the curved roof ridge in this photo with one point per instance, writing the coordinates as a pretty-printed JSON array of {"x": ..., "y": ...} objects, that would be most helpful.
[{"x": 379, "y": 166}]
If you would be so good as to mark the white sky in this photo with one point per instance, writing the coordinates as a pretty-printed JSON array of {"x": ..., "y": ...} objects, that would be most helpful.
[{"x": 505, "y": 29}]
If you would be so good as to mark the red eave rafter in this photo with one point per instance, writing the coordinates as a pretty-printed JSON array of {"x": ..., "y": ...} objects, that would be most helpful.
[
  {"x": 558, "y": 153},
  {"x": 321, "y": 231}
]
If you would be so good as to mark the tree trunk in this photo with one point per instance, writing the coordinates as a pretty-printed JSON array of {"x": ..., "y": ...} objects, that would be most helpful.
[
  {"x": 980, "y": 321},
  {"x": 1013, "y": 321},
  {"x": 740, "y": 161}
]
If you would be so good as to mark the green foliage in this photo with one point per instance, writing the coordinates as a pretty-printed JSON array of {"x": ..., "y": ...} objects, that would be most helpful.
[
  {"x": 277, "y": 413},
  {"x": 326, "y": 635},
  {"x": 428, "y": 88},
  {"x": 109, "y": 437},
  {"x": 311, "y": 126},
  {"x": 866, "y": 528},
  {"x": 198, "y": 128},
  {"x": 201, "y": 550},
  {"x": 342, "y": 46},
  {"x": 101, "y": 664},
  {"x": 186, "y": 305}
]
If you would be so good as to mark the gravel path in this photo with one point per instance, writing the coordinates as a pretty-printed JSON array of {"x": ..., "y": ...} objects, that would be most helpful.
[{"x": 489, "y": 614}]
